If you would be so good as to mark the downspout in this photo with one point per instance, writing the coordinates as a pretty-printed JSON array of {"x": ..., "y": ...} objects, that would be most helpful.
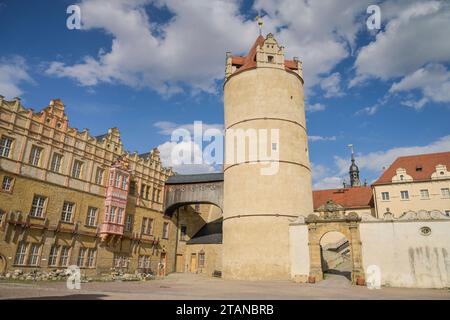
[{"x": 176, "y": 242}]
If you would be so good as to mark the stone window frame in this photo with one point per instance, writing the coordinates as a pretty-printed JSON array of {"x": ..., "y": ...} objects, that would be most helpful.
[
  {"x": 56, "y": 163},
  {"x": 112, "y": 214},
  {"x": 5, "y": 184},
  {"x": 6, "y": 147},
  {"x": 66, "y": 213},
  {"x": 385, "y": 196},
  {"x": 147, "y": 226},
  {"x": 402, "y": 193},
  {"x": 64, "y": 256},
  {"x": 117, "y": 179},
  {"x": 124, "y": 182},
  {"x": 201, "y": 259},
  {"x": 424, "y": 194},
  {"x": 41, "y": 208},
  {"x": 77, "y": 169},
  {"x": 165, "y": 230},
  {"x": 91, "y": 259},
  {"x": 34, "y": 256},
  {"x": 445, "y": 193},
  {"x": 91, "y": 221},
  {"x": 36, "y": 154},
  {"x": 26, "y": 255},
  {"x": 99, "y": 175},
  {"x": 128, "y": 222},
  {"x": 53, "y": 257},
  {"x": 21, "y": 254},
  {"x": 120, "y": 212},
  {"x": 183, "y": 235},
  {"x": 81, "y": 259}
]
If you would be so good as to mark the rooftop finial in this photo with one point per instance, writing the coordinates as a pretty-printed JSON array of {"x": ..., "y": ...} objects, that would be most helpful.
[
  {"x": 353, "y": 152},
  {"x": 260, "y": 23}
]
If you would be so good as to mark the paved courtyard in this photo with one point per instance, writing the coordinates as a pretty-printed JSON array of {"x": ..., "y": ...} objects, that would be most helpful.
[{"x": 199, "y": 287}]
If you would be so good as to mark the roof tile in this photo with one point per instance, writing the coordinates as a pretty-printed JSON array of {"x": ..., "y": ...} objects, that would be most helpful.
[{"x": 427, "y": 162}]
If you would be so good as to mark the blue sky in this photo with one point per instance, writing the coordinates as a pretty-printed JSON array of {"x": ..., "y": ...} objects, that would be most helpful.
[{"x": 146, "y": 66}]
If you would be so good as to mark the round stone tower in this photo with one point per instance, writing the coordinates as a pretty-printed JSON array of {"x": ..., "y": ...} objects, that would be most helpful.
[{"x": 267, "y": 181}]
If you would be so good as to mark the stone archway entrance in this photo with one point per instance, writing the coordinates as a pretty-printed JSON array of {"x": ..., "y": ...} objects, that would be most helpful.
[
  {"x": 332, "y": 220},
  {"x": 336, "y": 256}
]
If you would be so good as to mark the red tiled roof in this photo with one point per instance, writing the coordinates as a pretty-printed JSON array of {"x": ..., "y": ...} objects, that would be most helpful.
[
  {"x": 355, "y": 197},
  {"x": 411, "y": 164},
  {"x": 249, "y": 61}
]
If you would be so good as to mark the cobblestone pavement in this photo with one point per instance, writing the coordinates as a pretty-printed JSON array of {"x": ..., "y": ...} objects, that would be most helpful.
[{"x": 199, "y": 287}]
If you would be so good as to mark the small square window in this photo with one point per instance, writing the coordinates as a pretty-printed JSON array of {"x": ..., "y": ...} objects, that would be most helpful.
[
  {"x": 7, "y": 183},
  {"x": 445, "y": 192},
  {"x": 404, "y": 195},
  {"x": 424, "y": 194},
  {"x": 385, "y": 196}
]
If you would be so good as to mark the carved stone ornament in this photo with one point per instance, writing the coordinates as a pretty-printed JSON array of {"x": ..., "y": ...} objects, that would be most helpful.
[{"x": 425, "y": 231}]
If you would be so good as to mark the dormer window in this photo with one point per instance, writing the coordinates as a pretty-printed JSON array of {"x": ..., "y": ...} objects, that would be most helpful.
[
  {"x": 270, "y": 59},
  {"x": 418, "y": 168},
  {"x": 401, "y": 177}
]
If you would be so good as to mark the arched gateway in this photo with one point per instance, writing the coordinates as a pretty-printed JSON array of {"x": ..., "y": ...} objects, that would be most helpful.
[{"x": 334, "y": 220}]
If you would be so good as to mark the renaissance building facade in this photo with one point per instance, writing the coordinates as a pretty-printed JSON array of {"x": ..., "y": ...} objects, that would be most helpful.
[{"x": 69, "y": 198}]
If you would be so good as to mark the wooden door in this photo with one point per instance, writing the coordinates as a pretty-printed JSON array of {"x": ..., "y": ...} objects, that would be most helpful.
[
  {"x": 180, "y": 263},
  {"x": 193, "y": 268}
]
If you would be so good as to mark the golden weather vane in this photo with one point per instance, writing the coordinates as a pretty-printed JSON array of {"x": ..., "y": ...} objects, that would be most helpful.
[{"x": 260, "y": 23}]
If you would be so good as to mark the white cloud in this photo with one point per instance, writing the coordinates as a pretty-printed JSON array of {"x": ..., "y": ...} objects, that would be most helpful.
[
  {"x": 315, "y": 107},
  {"x": 190, "y": 48},
  {"x": 328, "y": 183},
  {"x": 433, "y": 81},
  {"x": 13, "y": 73},
  {"x": 369, "y": 110},
  {"x": 375, "y": 161},
  {"x": 323, "y": 178},
  {"x": 166, "y": 154},
  {"x": 320, "y": 33},
  {"x": 332, "y": 85},
  {"x": 167, "y": 127},
  {"x": 416, "y": 34},
  {"x": 321, "y": 138}
]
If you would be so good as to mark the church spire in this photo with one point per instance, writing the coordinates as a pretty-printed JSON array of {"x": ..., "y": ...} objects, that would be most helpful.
[
  {"x": 354, "y": 170},
  {"x": 260, "y": 23}
]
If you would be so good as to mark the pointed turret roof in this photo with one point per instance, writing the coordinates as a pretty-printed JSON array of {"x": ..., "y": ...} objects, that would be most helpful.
[{"x": 249, "y": 61}]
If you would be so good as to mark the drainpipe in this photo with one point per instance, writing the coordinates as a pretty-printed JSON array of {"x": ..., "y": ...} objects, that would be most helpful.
[{"x": 176, "y": 242}]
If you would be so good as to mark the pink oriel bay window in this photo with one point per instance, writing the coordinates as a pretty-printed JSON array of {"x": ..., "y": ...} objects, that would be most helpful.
[{"x": 113, "y": 221}]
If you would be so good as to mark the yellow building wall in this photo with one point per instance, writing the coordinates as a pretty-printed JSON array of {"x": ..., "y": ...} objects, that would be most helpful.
[{"x": 397, "y": 206}]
